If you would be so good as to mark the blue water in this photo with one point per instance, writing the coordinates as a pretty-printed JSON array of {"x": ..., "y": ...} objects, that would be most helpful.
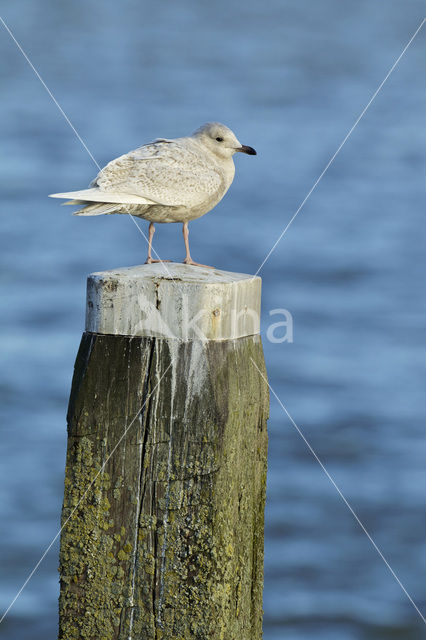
[{"x": 290, "y": 77}]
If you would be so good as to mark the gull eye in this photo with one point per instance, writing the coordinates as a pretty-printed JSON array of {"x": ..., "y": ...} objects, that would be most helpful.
[{"x": 219, "y": 139}]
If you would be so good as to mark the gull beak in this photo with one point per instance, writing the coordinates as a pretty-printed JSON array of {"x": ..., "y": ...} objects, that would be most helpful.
[{"x": 245, "y": 149}]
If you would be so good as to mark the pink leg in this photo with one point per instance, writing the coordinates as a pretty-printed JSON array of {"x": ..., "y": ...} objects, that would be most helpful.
[
  {"x": 188, "y": 259},
  {"x": 149, "y": 259}
]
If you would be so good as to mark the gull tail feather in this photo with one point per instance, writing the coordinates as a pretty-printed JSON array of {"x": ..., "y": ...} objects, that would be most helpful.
[{"x": 97, "y": 209}]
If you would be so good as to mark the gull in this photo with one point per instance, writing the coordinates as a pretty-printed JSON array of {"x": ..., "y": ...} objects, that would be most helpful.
[{"x": 175, "y": 180}]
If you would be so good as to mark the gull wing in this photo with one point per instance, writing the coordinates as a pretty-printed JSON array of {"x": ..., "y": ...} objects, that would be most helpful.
[
  {"x": 98, "y": 195},
  {"x": 167, "y": 172}
]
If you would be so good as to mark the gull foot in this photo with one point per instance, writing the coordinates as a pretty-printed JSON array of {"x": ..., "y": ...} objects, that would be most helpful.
[
  {"x": 152, "y": 261},
  {"x": 196, "y": 264}
]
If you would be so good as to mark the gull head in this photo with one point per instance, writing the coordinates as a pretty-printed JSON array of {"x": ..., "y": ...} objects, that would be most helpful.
[{"x": 220, "y": 140}]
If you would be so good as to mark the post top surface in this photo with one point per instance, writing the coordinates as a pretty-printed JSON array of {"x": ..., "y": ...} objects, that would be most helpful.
[
  {"x": 174, "y": 271},
  {"x": 173, "y": 301}
]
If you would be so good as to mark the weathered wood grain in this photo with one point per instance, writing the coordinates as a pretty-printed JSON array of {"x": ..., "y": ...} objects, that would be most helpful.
[
  {"x": 165, "y": 484},
  {"x": 173, "y": 301}
]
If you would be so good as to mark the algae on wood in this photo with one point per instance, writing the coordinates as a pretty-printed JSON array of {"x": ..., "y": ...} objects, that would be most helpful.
[
  {"x": 166, "y": 466},
  {"x": 164, "y": 491}
]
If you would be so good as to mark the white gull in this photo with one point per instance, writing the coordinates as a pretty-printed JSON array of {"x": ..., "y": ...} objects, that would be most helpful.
[{"x": 165, "y": 181}]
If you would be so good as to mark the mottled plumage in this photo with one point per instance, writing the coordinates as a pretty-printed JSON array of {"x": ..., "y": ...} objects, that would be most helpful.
[{"x": 166, "y": 180}]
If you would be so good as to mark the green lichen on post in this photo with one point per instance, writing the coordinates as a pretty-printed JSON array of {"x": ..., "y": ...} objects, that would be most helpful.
[
  {"x": 187, "y": 482},
  {"x": 92, "y": 559}
]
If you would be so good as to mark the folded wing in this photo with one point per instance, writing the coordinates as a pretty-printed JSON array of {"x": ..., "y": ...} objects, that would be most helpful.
[
  {"x": 98, "y": 195},
  {"x": 171, "y": 173},
  {"x": 165, "y": 172}
]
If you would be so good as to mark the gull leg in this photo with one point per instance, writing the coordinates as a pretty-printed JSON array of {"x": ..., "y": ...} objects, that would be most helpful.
[
  {"x": 188, "y": 259},
  {"x": 149, "y": 259}
]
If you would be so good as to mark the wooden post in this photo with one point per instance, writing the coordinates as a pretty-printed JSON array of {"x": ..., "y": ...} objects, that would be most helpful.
[{"x": 166, "y": 463}]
